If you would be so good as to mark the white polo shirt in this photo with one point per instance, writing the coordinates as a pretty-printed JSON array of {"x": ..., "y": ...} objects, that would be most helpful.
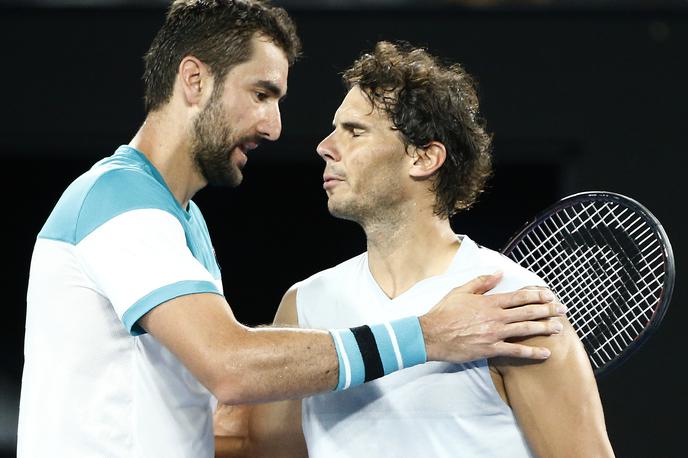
[{"x": 116, "y": 245}]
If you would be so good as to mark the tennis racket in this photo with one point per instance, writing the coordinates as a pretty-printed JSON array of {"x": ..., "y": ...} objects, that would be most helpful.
[{"x": 609, "y": 260}]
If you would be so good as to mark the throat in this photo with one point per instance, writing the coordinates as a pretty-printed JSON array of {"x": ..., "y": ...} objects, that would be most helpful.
[{"x": 396, "y": 269}]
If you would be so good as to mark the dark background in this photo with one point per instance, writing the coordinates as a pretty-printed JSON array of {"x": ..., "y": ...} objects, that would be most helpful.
[{"x": 578, "y": 99}]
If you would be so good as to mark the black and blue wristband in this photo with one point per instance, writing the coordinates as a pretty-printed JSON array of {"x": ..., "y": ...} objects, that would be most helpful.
[{"x": 369, "y": 352}]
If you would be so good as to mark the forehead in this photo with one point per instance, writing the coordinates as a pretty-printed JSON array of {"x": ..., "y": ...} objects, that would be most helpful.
[
  {"x": 268, "y": 62},
  {"x": 357, "y": 106}
]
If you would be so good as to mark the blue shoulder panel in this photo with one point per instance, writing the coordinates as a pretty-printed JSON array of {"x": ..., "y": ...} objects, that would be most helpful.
[
  {"x": 120, "y": 183},
  {"x": 101, "y": 194}
]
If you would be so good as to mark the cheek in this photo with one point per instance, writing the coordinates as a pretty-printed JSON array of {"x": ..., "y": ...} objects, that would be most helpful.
[
  {"x": 237, "y": 110},
  {"x": 359, "y": 170},
  {"x": 370, "y": 174}
]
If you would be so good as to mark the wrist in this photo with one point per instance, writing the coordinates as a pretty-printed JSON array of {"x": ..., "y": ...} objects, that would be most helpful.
[
  {"x": 368, "y": 352},
  {"x": 428, "y": 337}
]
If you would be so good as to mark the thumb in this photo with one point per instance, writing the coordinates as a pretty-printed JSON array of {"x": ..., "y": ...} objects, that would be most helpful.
[{"x": 481, "y": 284}]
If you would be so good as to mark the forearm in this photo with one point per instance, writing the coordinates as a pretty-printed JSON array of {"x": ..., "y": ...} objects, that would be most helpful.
[
  {"x": 241, "y": 365},
  {"x": 238, "y": 364},
  {"x": 268, "y": 429},
  {"x": 267, "y": 364}
]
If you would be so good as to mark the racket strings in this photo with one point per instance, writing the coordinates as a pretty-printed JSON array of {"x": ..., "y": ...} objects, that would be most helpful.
[
  {"x": 618, "y": 325},
  {"x": 606, "y": 264}
]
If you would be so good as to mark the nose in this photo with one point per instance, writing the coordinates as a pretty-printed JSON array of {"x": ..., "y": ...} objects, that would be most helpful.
[
  {"x": 327, "y": 149},
  {"x": 271, "y": 127}
]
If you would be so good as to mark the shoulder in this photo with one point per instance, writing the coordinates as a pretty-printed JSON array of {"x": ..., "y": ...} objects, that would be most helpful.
[
  {"x": 515, "y": 276},
  {"x": 105, "y": 191}
]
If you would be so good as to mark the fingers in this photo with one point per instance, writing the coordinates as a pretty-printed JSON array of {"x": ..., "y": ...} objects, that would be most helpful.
[
  {"x": 481, "y": 284},
  {"x": 520, "y": 351},
  {"x": 532, "y": 328},
  {"x": 534, "y": 312},
  {"x": 468, "y": 325},
  {"x": 524, "y": 297},
  {"x": 534, "y": 287}
]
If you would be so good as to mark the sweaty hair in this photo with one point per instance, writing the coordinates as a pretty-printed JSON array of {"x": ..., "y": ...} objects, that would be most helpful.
[
  {"x": 219, "y": 33},
  {"x": 427, "y": 100}
]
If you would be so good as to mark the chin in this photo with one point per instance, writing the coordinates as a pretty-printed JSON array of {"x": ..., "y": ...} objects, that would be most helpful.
[
  {"x": 341, "y": 211},
  {"x": 235, "y": 179},
  {"x": 230, "y": 178}
]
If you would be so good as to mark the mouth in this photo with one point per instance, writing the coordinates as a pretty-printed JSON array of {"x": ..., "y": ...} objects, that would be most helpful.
[
  {"x": 330, "y": 180},
  {"x": 248, "y": 146},
  {"x": 244, "y": 148}
]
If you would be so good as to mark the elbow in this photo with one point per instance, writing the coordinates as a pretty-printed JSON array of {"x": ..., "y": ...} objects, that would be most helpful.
[
  {"x": 231, "y": 375},
  {"x": 234, "y": 383},
  {"x": 232, "y": 390}
]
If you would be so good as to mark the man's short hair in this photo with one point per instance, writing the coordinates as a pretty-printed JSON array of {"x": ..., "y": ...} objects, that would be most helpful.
[
  {"x": 427, "y": 100},
  {"x": 219, "y": 33}
]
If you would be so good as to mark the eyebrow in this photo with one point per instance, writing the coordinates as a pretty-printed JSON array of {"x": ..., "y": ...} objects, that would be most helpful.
[
  {"x": 271, "y": 88},
  {"x": 351, "y": 125}
]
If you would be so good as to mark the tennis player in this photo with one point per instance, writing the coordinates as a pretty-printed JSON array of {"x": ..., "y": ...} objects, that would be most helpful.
[
  {"x": 408, "y": 150},
  {"x": 129, "y": 339}
]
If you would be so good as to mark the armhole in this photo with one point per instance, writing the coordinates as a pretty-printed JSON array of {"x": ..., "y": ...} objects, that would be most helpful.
[
  {"x": 301, "y": 320},
  {"x": 293, "y": 316}
]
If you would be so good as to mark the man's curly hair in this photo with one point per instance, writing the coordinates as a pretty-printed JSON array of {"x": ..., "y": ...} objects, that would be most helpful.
[{"x": 427, "y": 100}]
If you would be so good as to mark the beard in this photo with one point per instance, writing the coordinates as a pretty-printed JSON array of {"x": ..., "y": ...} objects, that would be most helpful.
[
  {"x": 350, "y": 210},
  {"x": 369, "y": 204},
  {"x": 212, "y": 144}
]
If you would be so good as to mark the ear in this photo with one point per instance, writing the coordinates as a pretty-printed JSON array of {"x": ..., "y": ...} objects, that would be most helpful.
[
  {"x": 427, "y": 160},
  {"x": 195, "y": 80}
]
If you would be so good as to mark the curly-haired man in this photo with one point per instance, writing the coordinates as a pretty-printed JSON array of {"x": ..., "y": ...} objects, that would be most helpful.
[{"x": 408, "y": 150}]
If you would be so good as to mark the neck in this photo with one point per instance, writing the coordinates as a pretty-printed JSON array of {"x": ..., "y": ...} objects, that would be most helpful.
[
  {"x": 168, "y": 148},
  {"x": 407, "y": 247}
]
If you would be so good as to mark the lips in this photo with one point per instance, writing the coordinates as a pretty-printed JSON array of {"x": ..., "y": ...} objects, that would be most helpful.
[
  {"x": 248, "y": 146},
  {"x": 245, "y": 147},
  {"x": 331, "y": 180}
]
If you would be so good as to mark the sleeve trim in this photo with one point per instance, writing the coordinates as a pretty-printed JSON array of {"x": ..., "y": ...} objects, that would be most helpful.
[{"x": 161, "y": 295}]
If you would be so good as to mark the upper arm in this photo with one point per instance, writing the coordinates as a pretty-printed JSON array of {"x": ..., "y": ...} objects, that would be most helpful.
[
  {"x": 268, "y": 429},
  {"x": 131, "y": 244},
  {"x": 199, "y": 329},
  {"x": 556, "y": 401}
]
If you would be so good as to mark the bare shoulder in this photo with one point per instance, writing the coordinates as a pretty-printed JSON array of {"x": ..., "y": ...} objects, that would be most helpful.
[{"x": 566, "y": 348}]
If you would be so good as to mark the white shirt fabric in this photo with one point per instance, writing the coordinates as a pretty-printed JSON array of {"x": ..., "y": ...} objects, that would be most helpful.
[
  {"x": 431, "y": 410},
  {"x": 95, "y": 384}
]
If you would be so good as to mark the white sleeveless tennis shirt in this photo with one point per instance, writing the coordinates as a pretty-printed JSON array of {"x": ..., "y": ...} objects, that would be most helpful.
[{"x": 431, "y": 410}]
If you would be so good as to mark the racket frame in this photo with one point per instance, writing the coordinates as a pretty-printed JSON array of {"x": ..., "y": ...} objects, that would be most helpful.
[{"x": 667, "y": 254}]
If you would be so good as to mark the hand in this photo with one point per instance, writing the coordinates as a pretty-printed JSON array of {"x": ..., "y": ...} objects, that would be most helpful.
[
  {"x": 231, "y": 428},
  {"x": 231, "y": 420},
  {"x": 467, "y": 325}
]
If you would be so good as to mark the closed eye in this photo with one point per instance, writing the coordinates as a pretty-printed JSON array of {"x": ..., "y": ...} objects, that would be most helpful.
[{"x": 355, "y": 129}]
